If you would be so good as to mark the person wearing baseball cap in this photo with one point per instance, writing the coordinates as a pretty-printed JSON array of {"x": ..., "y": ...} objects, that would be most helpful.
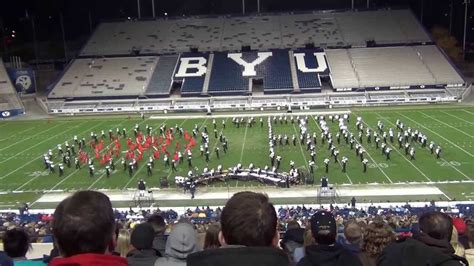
[
  {"x": 142, "y": 240},
  {"x": 326, "y": 251}
]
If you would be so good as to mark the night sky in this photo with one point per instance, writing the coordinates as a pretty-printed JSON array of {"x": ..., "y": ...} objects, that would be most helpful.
[{"x": 17, "y": 15}]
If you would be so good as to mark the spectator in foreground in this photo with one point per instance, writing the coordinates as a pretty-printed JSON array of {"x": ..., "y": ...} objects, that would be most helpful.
[
  {"x": 159, "y": 225},
  {"x": 123, "y": 243},
  {"x": 5, "y": 260},
  {"x": 293, "y": 242},
  {"x": 142, "y": 253},
  {"x": 84, "y": 231},
  {"x": 326, "y": 251},
  {"x": 248, "y": 236},
  {"x": 16, "y": 244},
  {"x": 470, "y": 240},
  {"x": 458, "y": 247},
  {"x": 353, "y": 237},
  {"x": 211, "y": 240},
  {"x": 377, "y": 236},
  {"x": 430, "y": 247},
  {"x": 181, "y": 242}
]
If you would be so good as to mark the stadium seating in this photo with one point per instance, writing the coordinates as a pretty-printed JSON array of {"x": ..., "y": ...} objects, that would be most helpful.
[
  {"x": 162, "y": 77},
  {"x": 105, "y": 77},
  {"x": 276, "y": 73},
  {"x": 8, "y": 96},
  {"x": 309, "y": 82},
  {"x": 166, "y": 36},
  {"x": 193, "y": 85},
  {"x": 390, "y": 67},
  {"x": 227, "y": 76}
]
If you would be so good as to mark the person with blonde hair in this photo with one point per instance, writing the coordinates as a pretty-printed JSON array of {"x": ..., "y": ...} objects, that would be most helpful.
[
  {"x": 458, "y": 248},
  {"x": 377, "y": 236},
  {"x": 123, "y": 243},
  {"x": 211, "y": 239}
]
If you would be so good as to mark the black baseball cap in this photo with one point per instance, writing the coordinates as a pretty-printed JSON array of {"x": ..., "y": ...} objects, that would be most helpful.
[{"x": 323, "y": 221}]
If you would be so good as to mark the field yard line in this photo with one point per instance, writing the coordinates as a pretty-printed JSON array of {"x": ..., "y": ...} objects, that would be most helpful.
[
  {"x": 457, "y": 117},
  {"x": 30, "y": 128},
  {"x": 243, "y": 144},
  {"x": 401, "y": 154},
  {"x": 37, "y": 144},
  {"x": 102, "y": 175},
  {"x": 347, "y": 175},
  {"x": 4, "y": 148},
  {"x": 447, "y": 124},
  {"x": 467, "y": 111},
  {"x": 1, "y": 178},
  {"x": 3, "y": 124},
  {"x": 67, "y": 177},
  {"x": 468, "y": 153},
  {"x": 301, "y": 149},
  {"x": 428, "y": 149},
  {"x": 31, "y": 180},
  {"x": 217, "y": 142},
  {"x": 133, "y": 177}
]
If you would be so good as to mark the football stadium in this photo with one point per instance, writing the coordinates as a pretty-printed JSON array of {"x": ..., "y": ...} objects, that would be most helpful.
[{"x": 349, "y": 125}]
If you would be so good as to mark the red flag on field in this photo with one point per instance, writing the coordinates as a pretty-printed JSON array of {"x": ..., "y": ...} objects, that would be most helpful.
[
  {"x": 186, "y": 135},
  {"x": 175, "y": 157},
  {"x": 156, "y": 154}
]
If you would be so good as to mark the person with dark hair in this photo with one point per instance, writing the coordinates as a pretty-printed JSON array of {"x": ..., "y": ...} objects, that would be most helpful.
[
  {"x": 326, "y": 251},
  {"x": 248, "y": 236},
  {"x": 293, "y": 240},
  {"x": 181, "y": 243},
  {"x": 159, "y": 226},
  {"x": 211, "y": 239},
  {"x": 377, "y": 236},
  {"x": 84, "y": 230},
  {"x": 143, "y": 253},
  {"x": 430, "y": 246},
  {"x": 16, "y": 244}
]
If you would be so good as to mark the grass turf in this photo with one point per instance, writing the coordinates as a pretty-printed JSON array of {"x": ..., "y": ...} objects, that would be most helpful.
[{"x": 22, "y": 144}]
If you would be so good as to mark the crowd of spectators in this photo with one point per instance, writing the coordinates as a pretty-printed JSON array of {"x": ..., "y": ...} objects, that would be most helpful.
[{"x": 249, "y": 230}]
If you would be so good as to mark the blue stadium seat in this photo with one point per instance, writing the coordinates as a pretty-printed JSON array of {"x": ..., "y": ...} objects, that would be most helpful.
[
  {"x": 276, "y": 73},
  {"x": 192, "y": 85},
  {"x": 226, "y": 77},
  {"x": 308, "y": 81},
  {"x": 160, "y": 82}
]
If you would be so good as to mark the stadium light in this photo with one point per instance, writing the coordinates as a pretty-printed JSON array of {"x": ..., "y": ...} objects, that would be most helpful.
[{"x": 466, "y": 3}]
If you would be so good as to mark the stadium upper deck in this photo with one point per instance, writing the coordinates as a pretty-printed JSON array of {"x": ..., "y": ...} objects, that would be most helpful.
[
  {"x": 273, "y": 54},
  {"x": 260, "y": 32}
]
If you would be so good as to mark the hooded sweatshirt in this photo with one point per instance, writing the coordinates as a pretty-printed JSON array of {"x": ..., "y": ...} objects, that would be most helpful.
[
  {"x": 181, "y": 242},
  {"x": 89, "y": 259},
  {"x": 329, "y": 255}
]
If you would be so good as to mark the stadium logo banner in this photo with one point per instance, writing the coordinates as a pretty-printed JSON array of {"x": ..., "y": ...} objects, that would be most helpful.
[
  {"x": 10, "y": 113},
  {"x": 23, "y": 80}
]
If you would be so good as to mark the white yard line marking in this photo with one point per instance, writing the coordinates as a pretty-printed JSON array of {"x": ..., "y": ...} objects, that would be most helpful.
[
  {"x": 467, "y": 111},
  {"x": 301, "y": 149},
  {"x": 133, "y": 177},
  {"x": 41, "y": 132},
  {"x": 468, "y": 153},
  {"x": 21, "y": 167},
  {"x": 217, "y": 141},
  {"x": 102, "y": 175},
  {"x": 16, "y": 134},
  {"x": 447, "y": 125},
  {"x": 457, "y": 117},
  {"x": 243, "y": 144},
  {"x": 347, "y": 175},
  {"x": 31, "y": 147},
  {"x": 75, "y": 171},
  {"x": 428, "y": 149},
  {"x": 401, "y": 154}
]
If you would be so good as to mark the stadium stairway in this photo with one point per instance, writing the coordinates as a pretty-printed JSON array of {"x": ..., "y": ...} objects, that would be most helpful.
[
  {"x": 208, "y": 74},
  {"x": 294, "y": 75},
  {"x": 162, "y": 78}
]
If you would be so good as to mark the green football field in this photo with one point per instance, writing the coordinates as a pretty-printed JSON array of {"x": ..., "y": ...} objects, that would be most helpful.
[{"x": 23, "y": 143}]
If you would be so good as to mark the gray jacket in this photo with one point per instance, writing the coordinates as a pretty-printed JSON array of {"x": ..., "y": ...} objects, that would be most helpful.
[{"x": 181, "y": 242}]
